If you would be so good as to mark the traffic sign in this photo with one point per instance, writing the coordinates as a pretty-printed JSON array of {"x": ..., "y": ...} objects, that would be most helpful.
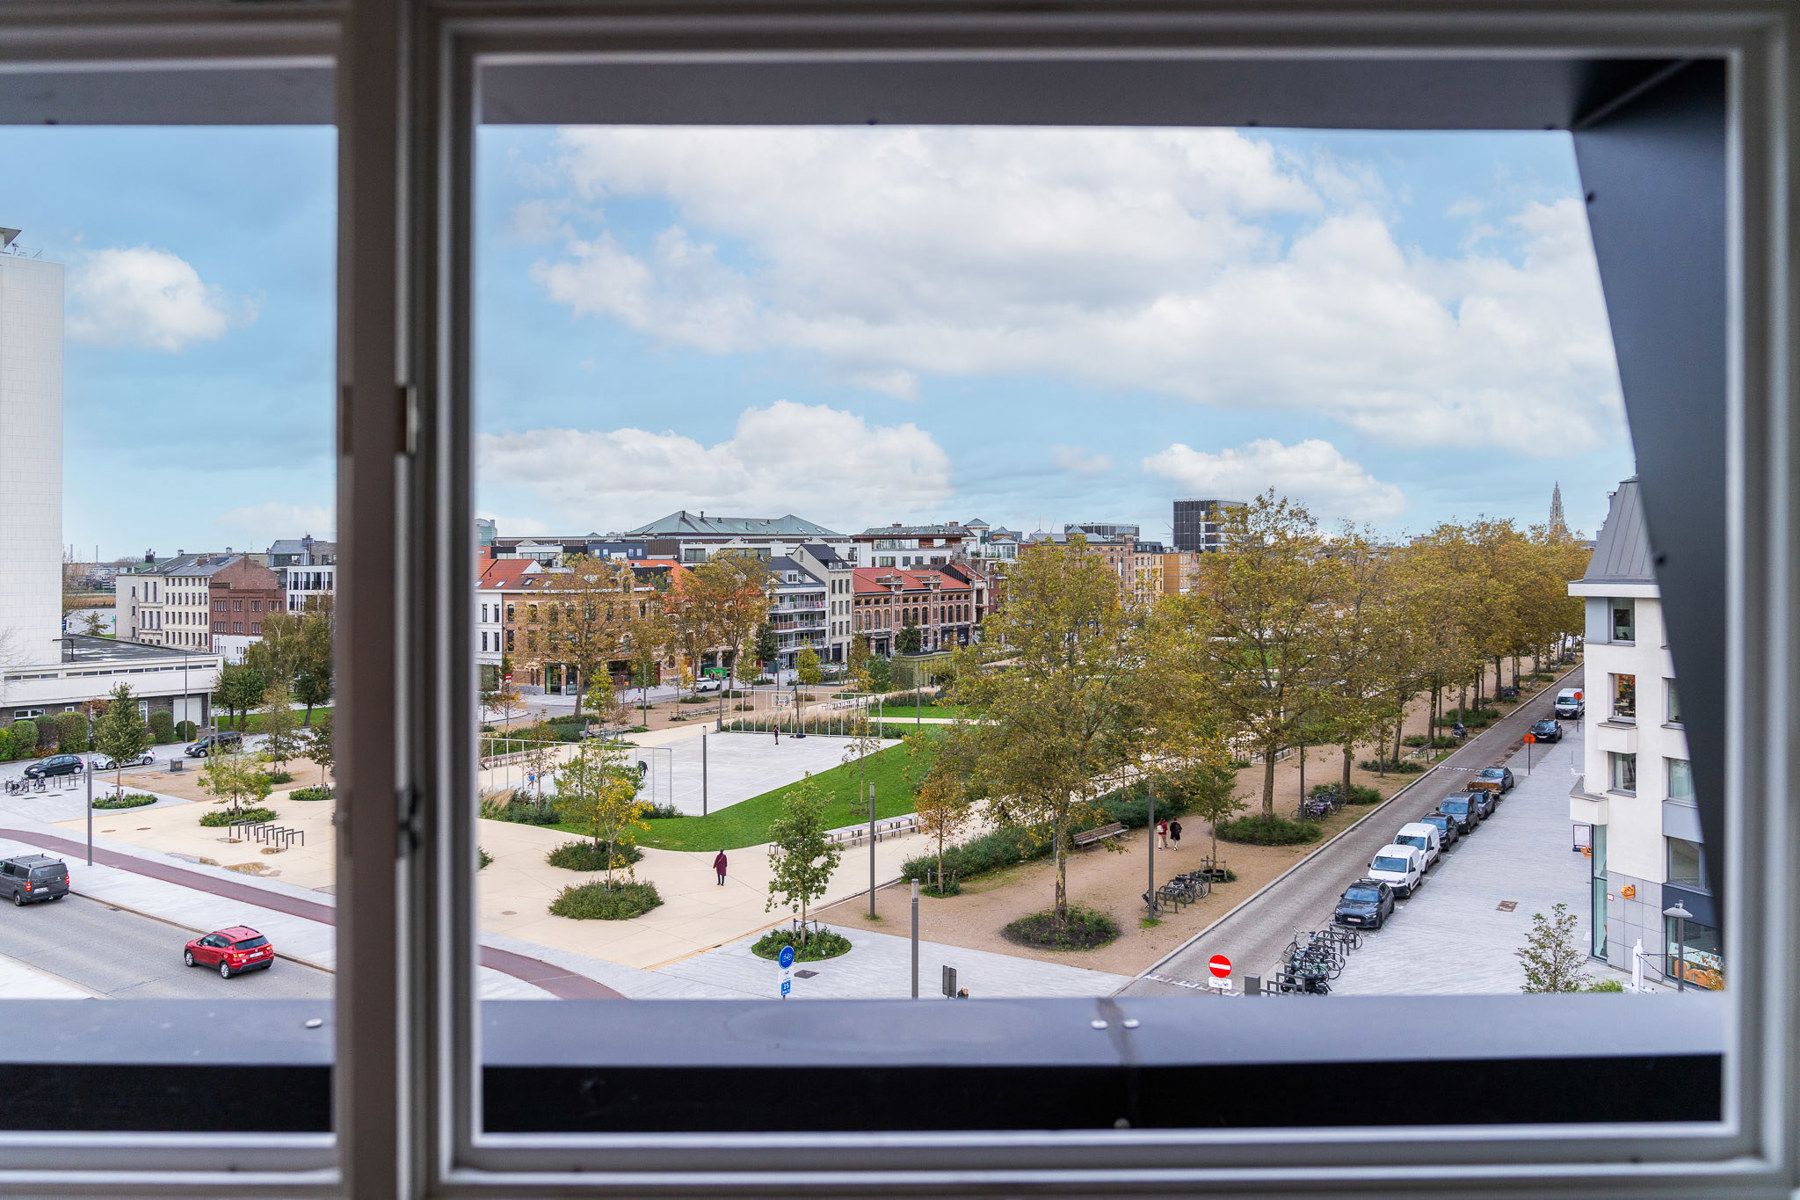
[
  {"x": 786, "y": 957},
  {"x": 1220, "y": 966},
  {"x": 1530, "y": 738},
  {"x": 787, "y": 985}
]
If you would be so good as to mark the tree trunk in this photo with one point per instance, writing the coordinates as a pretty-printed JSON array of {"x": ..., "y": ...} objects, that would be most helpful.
[
  {"x": 1061, "y": 907},
  {"x": 1349, "y": 753},
  {"x": 1268, "y": 779}
]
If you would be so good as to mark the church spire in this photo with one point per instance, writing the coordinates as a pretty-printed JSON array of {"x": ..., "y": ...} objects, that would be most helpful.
[{"x": 1559, "y": 528}]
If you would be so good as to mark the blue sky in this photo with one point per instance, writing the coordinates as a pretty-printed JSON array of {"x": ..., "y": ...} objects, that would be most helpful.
[{"x": 856, "y": 325}]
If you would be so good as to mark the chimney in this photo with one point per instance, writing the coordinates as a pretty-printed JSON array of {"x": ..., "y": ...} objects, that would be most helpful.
[{"x": 149, "y": 556}]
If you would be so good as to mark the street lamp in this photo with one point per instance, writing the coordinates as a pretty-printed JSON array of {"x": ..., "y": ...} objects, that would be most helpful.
[{"x": 1682, "y": 917}]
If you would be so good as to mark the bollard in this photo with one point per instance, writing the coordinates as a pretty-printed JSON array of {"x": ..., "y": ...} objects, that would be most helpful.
[
  {"x": 1252, "y": 985},
  {"x": 950, "y": 981}
]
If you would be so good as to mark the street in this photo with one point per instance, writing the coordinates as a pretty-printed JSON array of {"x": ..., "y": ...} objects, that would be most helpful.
[
  {"x": 121, "y": 955},
  {"x": 1255, "y": 935}
]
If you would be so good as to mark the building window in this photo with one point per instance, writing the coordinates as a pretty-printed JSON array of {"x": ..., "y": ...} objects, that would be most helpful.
[
  {"x": 256, "y": 606},
  {"x": 1699, "y": 954},
  {"x": 1674, "y": 702},
  {"x": 1686, "y": 864},
  {"x": 1624, "y": 697},
  {"x": 1681, "y": 779},
  {"x": 1624, "y": 772},
  {"x": 1624, "y": 620},
  {"x": 237, "y": 627}
]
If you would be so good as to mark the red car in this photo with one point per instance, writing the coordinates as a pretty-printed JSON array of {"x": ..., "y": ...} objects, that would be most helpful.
[{"x": 233, "y": 951}]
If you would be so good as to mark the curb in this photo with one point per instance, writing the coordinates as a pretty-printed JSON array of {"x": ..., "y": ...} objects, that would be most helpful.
[
  {"x": 162, "y": 920},
  {"x": 1322, "y": 846}
]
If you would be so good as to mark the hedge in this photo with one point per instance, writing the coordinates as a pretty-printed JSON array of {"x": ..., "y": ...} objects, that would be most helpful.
[
  {"x": 1266, "y": 830},
  {"x": 71, "y": 733},
  {"x": 218, "y": 818},
  {"x": 600, "y": 901},
  {"x": 820, "y": 944},
  {"x": 989, "y": 852},
  {"x": 1404, "y": 766},
  {"x": 590, "y": 856},
  {"x": 1082, "y": 929},
  {"x": 128, "y": 800},
  {"x": 310, "y": 793},
  {"x": 1358, "y": 793}
]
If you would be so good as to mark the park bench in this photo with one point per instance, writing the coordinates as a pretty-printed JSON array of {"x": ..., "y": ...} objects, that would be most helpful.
[
  {"x": 1099, "y": 833},
  {"x": 885, "y": 828}
]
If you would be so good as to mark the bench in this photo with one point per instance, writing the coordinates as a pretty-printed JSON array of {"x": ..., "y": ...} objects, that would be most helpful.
[
  {"x": 1099, "y": 833},
  {"x": 886, "y": 828}
]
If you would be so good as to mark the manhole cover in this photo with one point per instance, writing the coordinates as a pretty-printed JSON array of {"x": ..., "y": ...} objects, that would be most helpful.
[
  {"x": 1507, "y": 905},
  {"x": 804, "y": 974}
]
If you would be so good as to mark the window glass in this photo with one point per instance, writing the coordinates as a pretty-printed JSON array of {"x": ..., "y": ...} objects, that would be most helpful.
[
  {"x": 1696, "y": 953},
  {"x": 1674, "y": 702},
  {"x": 1624, "y": 771},
  {"x": 1681, "y": 779},
  {"x": 1624, "y": 620},
  {"x": 1687, "y": 866},
  {"x": 1624, "y": 697}
]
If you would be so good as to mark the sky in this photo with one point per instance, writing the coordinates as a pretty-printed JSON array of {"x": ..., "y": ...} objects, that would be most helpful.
[{"x": 858, "y": 325}]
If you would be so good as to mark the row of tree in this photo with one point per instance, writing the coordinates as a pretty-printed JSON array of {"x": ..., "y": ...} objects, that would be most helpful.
[
  {"x": 294, "y": 653},
  {"x": 1289, "y": 634}
]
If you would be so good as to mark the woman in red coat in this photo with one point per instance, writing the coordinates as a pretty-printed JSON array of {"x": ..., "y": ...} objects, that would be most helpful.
[{"x": 719, "y": 867}]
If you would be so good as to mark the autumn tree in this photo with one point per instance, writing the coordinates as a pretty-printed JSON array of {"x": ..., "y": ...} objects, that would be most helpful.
[
  {"x": 580, "y": 621},
  {"x": 1358, "y": 684},
  {"x": 234, "y": 780},
  {"x": 598, "y": 783},
  {"x": 801, "y": 857},
  {"x": 280, "y": 726},
  {"x": 647, "y": 641},
  {"x": 856, "y": 663},
  {"x": 121, "y": 733},
  {"x": 732, "y": 590}
]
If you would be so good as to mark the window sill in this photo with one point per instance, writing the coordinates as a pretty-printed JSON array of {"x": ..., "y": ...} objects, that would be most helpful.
[{"x": 1629, "y": 795}]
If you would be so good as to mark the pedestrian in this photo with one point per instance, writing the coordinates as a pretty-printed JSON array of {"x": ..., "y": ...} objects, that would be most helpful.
[
  {"x": 1175, "y": 834},
  {"x": 719, "y": 867},
  {"x": 1162, "y": 834}
]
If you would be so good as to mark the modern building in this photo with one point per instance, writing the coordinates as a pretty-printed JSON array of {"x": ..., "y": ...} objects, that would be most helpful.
[
  {"x": 799, "y": 610},
  {"x": 839, "y": 575},
  {"x": 308, "y": 569},
  {"x": 1200, "y": 524},
  {"x": 1110, "y": 530},
  {"x": 693, "y": 537},
  {"x": 900, "y": 545},
  {"x": 1633, "y": 806},
  {"x": 31, "y": 435}
]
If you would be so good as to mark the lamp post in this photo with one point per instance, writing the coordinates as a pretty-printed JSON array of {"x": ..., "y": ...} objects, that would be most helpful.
[
  {"x": 90, "y": 789},
  {"x": 1150, "y": 845},
  {"x": 872, "y": 854},
  {"x": 1682, "y": 917}
]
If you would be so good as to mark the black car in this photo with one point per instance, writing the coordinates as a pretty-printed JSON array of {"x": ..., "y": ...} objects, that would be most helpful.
[
  {"x": 1366, "y": 904},
  {"x": 33, "y": 877},
  {"x": 56, "y": 764},
  {"x": 1448, "y": 830},
  {"x": 1547, "y": 731},
  {"x": 216, "y": 743},
  {"x": 1467, "y": 811}
]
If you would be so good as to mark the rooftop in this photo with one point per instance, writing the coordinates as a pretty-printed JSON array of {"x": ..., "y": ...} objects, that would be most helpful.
[
  {"x": 686, "y": 524},
  {"x": 1622, "y": 552}
]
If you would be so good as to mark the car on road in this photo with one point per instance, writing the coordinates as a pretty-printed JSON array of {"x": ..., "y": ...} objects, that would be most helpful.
[
  {"x": 1423, "y": 838},
  {"x": 1400, "y": 867},
  {"x": 29, "y": 878},
  {"x": 1464, "y": 810},
  {"x": 1365, "y": 904},
  {"x": 1549, "y": 730},
  {"x": 234, "y": 951},
  {"x": 708, "y": 685},
  {"x": 1497, "y": 780},
  {"x": 1449, "y": 832},
  {"x": 56, "y": 764},
  {"x": 1569, "y": 704},
  {"x": 216, "y": 743},
  {"x": 105, "y": 762}
]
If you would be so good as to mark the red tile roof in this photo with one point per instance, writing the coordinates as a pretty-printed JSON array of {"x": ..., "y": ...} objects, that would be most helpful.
[{"x": 869, "y": 580}]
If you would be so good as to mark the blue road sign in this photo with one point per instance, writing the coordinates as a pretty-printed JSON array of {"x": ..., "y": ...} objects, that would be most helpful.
[
  {"x": 786, "y": 957},
  {"x": 787, "y": 985}
]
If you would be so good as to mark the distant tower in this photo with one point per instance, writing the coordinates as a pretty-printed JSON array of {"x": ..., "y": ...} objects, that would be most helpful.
[{"x": 1558, "y": 527}]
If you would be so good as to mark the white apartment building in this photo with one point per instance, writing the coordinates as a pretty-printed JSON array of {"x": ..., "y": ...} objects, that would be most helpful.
[
  {"x": 798, "y": 612},
  {"x": 308, "y": 569},
  {"x": 839, "y": 576},
  {"x": 168, "y": 602},
  {"x": 1635, "y": 796},
  {"x": 31, "y": 367}
]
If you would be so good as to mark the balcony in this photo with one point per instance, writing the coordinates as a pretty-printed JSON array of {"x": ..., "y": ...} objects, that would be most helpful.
[{"x": 1585, "y": 807}]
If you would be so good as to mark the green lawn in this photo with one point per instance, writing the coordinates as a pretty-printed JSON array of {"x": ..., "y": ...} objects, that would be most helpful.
[
  {"x": 746, "y": 823},
  {"x": 253, "y": 722},
  {"x": 892, "y": 711}
]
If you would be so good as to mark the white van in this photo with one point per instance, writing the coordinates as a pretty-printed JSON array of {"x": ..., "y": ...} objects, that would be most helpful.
[
  {"x": 1422, "y": 837},
  {"x": 1400, "y": 867},
  {"x": 1570, "y": 704}
]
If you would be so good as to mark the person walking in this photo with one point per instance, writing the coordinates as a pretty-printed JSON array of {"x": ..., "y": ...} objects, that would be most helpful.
[
  {"x": 1175, "y": 834},
  {"x": 1162, "y": 834},
  {"x": 719, "y": 867}
]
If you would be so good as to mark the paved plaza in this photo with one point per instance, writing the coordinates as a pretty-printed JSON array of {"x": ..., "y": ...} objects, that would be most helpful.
[{"x": 1454, "y": 935}]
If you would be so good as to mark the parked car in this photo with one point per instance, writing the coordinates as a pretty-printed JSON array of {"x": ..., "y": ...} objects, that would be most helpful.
[
  {"x": 1449, "y": 832},
  {"x": 1498, "y": 780},
  {"x": 56, "y": 764},
  {"x": 1423, "y": 838},
  {"x": 1569, "y": 704},
  {"x": 1464, "y": 810},
  {"x": 1549, "y": 730},
  {"x": 103, "y": 762},
  {"x": 233, "y": 951},
  {"x": 709, "y": 685},
  {"x": 1367, "y": 904},
  {"x": 216, "y": 743},
  {"x": 33, "y": 877},
  {"x": 1400, "y": 867},
  {"x": 1485, "y": 802}
]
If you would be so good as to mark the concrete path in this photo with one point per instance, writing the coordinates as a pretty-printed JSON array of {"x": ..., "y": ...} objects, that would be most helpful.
[{"x": 1255, "y": 934}]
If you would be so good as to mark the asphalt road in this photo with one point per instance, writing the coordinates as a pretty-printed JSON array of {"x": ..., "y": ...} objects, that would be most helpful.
[
  {"x": 121, "y": 955},
  {"x": 1255, "y": 935}
]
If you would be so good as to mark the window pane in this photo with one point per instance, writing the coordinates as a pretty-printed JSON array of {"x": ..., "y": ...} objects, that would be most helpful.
[
  {"x": 1624, "y": 621},
  {"x": 1624, "y": 772},
  {"x": 1624, "y": 699},
  {"x": 1687, "y": 867},
  {"x": 1674, "y": 702},
  {"x": 1681, "y": 779}
]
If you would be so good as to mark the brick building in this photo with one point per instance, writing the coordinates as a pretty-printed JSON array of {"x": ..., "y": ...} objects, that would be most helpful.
[{"x": 941, "y": 602}]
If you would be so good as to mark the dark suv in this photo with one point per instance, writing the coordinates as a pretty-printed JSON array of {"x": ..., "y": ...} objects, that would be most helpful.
[
  {"x": 31, "y": 877},
  {"x": 56, "y": 764},
  {"x": 216, "y": 743}
]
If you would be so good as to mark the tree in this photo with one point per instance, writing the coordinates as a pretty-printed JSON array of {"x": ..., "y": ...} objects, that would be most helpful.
[
  {"x": 806, "y": 670},
  {"x": 92, "y": 626},
  {"x": 732, "y": 589},
  {"x": 768, "y": 649},
  {"x": 908, "y": 640},
  {"x": 319, "y": 746},
  {"x": 801, "y": 858},
  {"x": 281, "y": 726},
  {"x": 691, "y": 622},
  {"x": 311, "y": 680},
  {"x": 579, "y": 618},
  {"x": 233, "y": 779},
  {"x": 880, "y": 673},
  {"x": 280, "y": 651},
  {"x": 1066, "y": 721},
  {"x": 240, "y": 689},
  {"x": 503, "y": 699},
  {"x": 599, "y": 783},
  {"x": 943, "y": 806},
  {"x": 1210, "y": 788},
  {"x": 647, "y": 640},
  {"x": 856, "y": 664},
  {"x": 1358, "y": 645},
  {"x": 121, "y": 733},
  {"x": 1552, "y": 959}
]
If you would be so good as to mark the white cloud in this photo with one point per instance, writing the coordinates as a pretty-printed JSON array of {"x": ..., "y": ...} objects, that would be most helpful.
[
  {"x": 1314, "y": 472},
  {"x": 148, "y": 298},
  {"x": 1196, "y": 263},
  {"x": 1077, "y": 461},
  {"x": 262, "y": 523},
  {"x": 813, "y": 460}
]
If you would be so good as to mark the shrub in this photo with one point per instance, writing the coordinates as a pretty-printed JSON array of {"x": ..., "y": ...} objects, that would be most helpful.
[
  {"x": 1605, "y": 985},
  {"x": 71, "y": 732},
  {"x": 950, "y": 887},
  {"x": 599, "y": 901},
  {"x": 1415, "y": 740},
  {"x": 21, "y": 739},
  {"x": 821, "y": 944},
  {"x": 695, "y": 700},
  {"x": 1404, "y": 766},
  {"x": 761, "y": 679},
  {"x": 1474, "y": 718},
  {"x": 218, "y": 818},
  {"x": 186, "y": 731},
  {"x": 586, "y": 855},
  {"x": 1262, "y": 830},
  {"x": 989, "y": 852},
  {"x": 520, "y": 808},
  {"x": 1083, "y": 929},
  {"x": 662, "y": 812},
  {"x": 483, "y": 856},
  {"x": 310, "y": 793},
  {"x": 277, "y": 777},
  {"x": 46, "y": 736},
  {"x": 162, "y": 726},
  {"x": 1358, "y": 793},
  {"x": 128, "y": 800},
  {"x": 1130, "y": 806}
]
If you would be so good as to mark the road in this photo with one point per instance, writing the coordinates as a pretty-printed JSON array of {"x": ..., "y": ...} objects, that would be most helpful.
[
  {"x": 1255, "y": 935},
  {"x": 121, "y": 955}
]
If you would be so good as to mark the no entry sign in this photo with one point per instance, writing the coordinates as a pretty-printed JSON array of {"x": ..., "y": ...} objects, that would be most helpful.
[{"x": 1220, "y": 966}]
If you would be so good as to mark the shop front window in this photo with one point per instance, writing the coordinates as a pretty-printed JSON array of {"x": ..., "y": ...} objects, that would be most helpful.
[{"x": 1698, "y": 954}]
